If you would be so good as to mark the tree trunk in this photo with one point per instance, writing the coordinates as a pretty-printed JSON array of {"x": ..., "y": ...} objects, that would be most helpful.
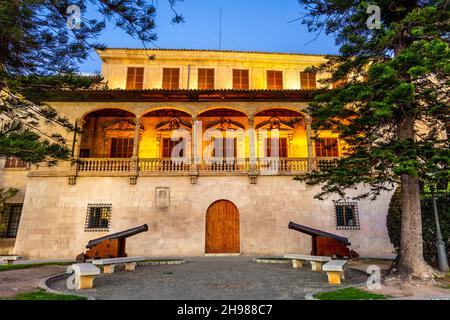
[{"x": 411, "y": 265}]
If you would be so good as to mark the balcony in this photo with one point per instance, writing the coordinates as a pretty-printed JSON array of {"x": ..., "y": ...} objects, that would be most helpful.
[{"x": 182, "y": 167}]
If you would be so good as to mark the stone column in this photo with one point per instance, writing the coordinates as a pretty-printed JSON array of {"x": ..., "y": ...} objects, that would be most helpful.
[
  {"x": 308, "y": 121},
  {"x": 77, "y": 138},
  {"x": 195, "y": 144},
  {"x": 137, "y": 133},
  {"x": 73, "y": 171},
  {"x": 135, "y": 158},
  {"x": 252, "y": 152}
]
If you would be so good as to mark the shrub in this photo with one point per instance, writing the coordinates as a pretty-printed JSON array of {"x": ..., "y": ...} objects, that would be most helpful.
[{"x": 393, "y": 222}]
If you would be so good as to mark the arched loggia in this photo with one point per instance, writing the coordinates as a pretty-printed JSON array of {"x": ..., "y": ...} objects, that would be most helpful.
[{"x": 107, "y": 133}]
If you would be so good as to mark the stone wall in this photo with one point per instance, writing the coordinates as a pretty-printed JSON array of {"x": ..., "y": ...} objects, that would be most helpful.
[{"x": 54, "y": 216}]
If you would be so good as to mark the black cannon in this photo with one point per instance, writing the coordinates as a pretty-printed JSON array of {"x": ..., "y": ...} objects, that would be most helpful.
[
  {"x": 110, "y": 246},
  {"x": 325, "y": 243}
]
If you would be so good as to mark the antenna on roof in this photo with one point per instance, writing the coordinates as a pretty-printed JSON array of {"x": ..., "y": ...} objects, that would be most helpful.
[{"x": 220, "y": 29}]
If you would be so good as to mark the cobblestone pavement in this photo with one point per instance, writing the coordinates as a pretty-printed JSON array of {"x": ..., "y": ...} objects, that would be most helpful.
[
  {"x": 25, "y": 280},
  {"x": 212, "y": 278}
]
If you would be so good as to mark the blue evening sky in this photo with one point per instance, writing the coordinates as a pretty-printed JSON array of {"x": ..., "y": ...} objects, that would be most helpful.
[{"x": 255, "y": 25}]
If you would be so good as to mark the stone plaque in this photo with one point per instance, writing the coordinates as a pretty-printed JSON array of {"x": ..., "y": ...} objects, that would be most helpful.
[{"x": 162, "y": 197}]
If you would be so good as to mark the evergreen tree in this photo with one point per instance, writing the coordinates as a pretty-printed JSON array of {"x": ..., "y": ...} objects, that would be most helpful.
[
  {"x": 391, "y": 106},
  {"x": 41, "y": 45}
]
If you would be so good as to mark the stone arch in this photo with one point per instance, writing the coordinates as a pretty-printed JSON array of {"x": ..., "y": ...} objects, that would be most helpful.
[
  {"x": 111, "y": 109},
  {"x": 181, "y": 111},
  {"x": 231, "y": 110},
  {"x": 105, "y": 131}
]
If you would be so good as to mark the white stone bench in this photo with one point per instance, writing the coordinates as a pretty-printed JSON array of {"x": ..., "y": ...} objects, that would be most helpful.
[
  {"x": 335, "y": 270},
  {"x": 316, "y": 261},
  {"x": 83, "y": 276},
  {"x": 9, "y": 259},
  {"x": 110, "y": 264}
]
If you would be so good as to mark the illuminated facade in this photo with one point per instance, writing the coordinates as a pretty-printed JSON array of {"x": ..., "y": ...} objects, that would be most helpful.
[{"x": 200, "y": 145}]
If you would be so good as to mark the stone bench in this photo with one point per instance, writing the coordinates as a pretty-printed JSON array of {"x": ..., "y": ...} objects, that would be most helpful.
[
  {"x": 316, "y": 261},
  {"x": 9, "y": 259},
  {"x": 83, "y": 276},
  {"x": 110, "y": 264},
  {"x": 335, "y": 270}
]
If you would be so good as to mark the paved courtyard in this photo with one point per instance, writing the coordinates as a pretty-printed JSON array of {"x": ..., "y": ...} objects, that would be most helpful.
[{"x": 212, "y": 278}]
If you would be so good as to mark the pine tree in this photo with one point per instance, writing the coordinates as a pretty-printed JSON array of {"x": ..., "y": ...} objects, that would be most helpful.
[
  {"x": 390, "y": 108},
  {"x": 41, "y": 46}
]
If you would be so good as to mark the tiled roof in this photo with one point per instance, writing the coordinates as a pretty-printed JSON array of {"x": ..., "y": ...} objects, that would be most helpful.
[{"x": 225, "y": 51}]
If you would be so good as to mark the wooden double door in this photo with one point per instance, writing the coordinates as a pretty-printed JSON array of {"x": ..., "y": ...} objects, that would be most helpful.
[{"x": 222, "y": 228}]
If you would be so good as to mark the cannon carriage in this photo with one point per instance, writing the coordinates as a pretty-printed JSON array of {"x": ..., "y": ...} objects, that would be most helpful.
[
  {"x": 325, "y": 243},
  {"x": 110, "y": 246}
]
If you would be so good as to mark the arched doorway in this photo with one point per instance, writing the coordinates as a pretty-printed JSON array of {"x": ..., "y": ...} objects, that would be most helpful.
[{"x": 222, "y": 228}]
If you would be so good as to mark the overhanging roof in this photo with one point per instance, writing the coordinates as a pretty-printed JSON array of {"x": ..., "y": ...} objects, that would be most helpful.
[{"x": 159, "y": 95}]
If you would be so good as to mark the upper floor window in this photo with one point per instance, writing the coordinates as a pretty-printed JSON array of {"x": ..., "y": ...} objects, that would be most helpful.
[
  {"x": 135, "y": 78},
  {"x": 168, "y": 148},
  {"x": 225, "y": 148},
  {"x": 13, "y": 162},
  {"x": 327, "y": 147},
  {"x": 206, "y": 78},
  {"x": 274, "y": 80},
  {"x": 308, "y": 80},
  {"x": 171, "y": 78},
  {"x": 273, "y": 144},
  {"x": 241, "y": 79},
  {"x": 121, "y": 148},
  {"x": 10, "y": 220}
]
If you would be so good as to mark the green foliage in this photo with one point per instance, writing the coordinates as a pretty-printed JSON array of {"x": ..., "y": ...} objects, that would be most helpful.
[
  {"x": 350, "y": 294},
  {"x": 44, "y": 295},
  {"x": 395, "y": 76},
  {"x": 9, "y": 267},
  {"x": 38, "y": 52},
  {"x": 393, "y": 221}
]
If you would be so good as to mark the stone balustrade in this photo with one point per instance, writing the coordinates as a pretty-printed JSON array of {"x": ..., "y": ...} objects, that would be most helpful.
[{"x": 162, "y": 166}]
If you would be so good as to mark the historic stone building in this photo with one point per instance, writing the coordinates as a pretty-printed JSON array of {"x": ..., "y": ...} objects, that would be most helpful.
[{"x": 200, "y": 145}]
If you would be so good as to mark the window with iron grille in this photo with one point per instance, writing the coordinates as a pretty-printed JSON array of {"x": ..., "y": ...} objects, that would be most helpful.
[
  {"x": 171, "y": 78},
  {"x": 135, "y": 78},
  {"x": 98, "y": 217},
  {"x": 274, "y": 80},
  {"x": 347, "y": 216},
  {"x": 241, "y": 79},
  {"x": 308, "y": 80},
  {"x": 327, "y": 148},
  {"x": 121, "y": 148},
  {"x": 206, "y": 78},
  {"x": 10, "y": 220}
]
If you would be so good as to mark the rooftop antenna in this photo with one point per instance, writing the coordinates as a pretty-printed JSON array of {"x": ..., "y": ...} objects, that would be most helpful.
[{"x": 220, "y": 29}]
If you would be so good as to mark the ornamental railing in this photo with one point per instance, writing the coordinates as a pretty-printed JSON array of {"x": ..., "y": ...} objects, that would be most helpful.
[
  {"x": 105, "y": 165},
  {"x": 162, "y": 166}
]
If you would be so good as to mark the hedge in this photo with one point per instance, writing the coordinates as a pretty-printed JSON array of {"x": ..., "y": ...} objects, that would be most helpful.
[{"x": 428, "y": 224}]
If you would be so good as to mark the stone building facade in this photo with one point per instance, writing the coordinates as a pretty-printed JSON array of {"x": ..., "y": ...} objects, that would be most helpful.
[{"x": 202, "y": 146}]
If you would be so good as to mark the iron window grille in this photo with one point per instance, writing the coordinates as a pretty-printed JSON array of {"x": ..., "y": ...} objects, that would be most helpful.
[
  {"x": 98, "y": 217},
  {"x": 347, "y": 215},
  {"x": 10, "y": 220}
]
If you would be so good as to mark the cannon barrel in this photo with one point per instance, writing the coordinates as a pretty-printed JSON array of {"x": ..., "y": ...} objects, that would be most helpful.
[
  {"x": 317, "y": 233},
  {"x": 118, "y": 235}
]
